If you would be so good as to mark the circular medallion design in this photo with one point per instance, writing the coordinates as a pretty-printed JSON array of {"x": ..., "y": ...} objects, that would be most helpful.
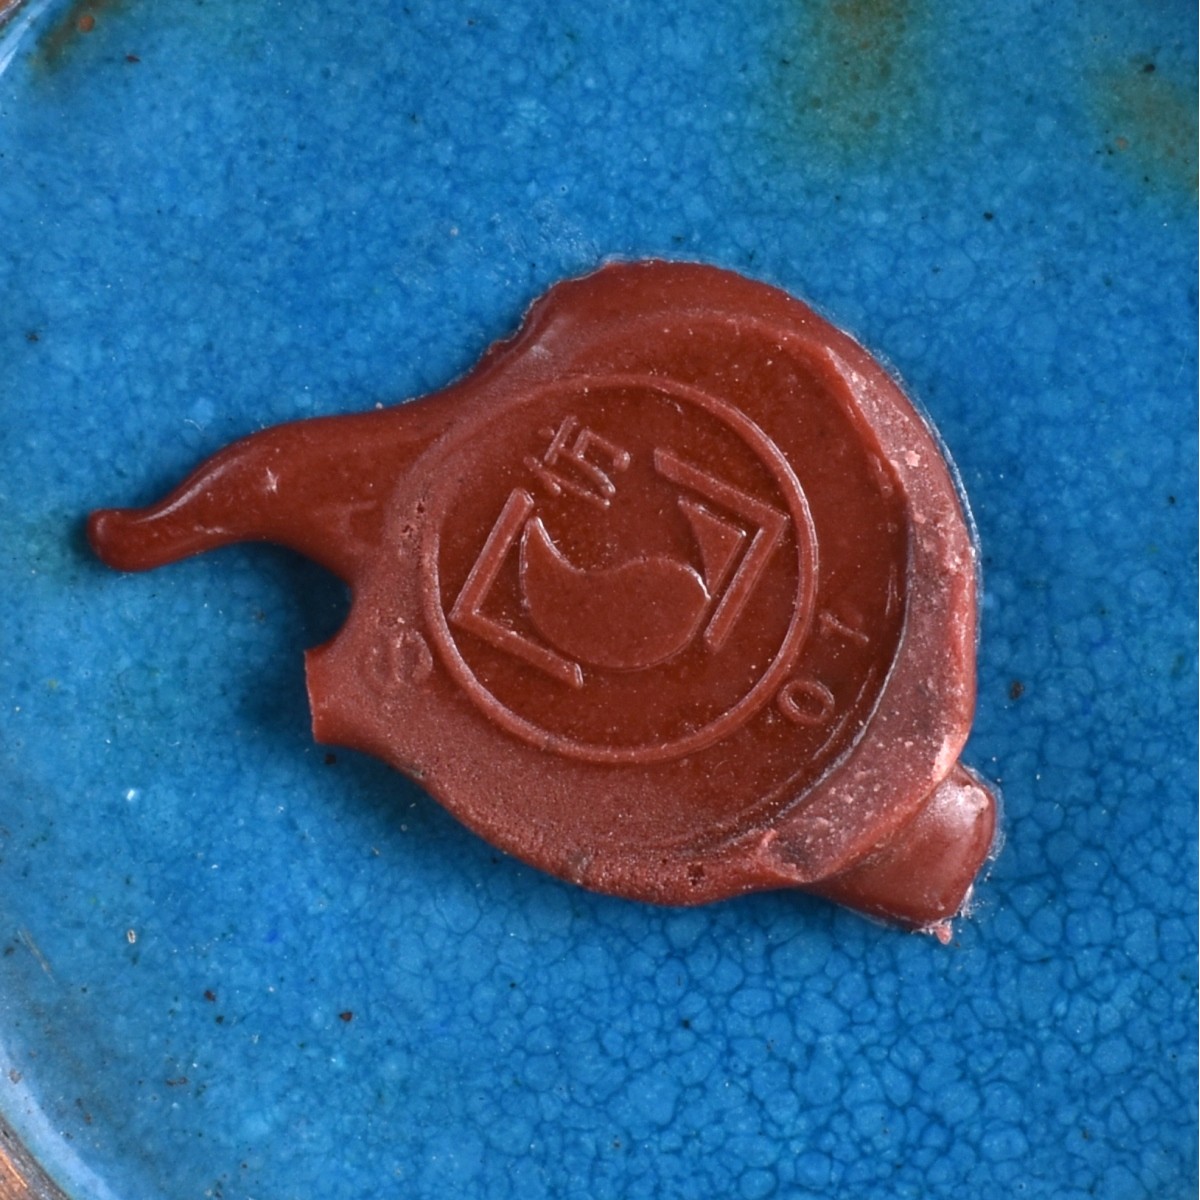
[{"x": 630, "y": 574}]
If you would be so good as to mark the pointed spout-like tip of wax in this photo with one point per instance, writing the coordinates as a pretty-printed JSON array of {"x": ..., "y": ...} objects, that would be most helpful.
[
  {"x": 108, "y": 536},
  {"x": 137, "y": 539}
]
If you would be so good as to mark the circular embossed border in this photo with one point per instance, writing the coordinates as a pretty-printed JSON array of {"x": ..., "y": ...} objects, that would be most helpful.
[{"x": 759, "y": 694}]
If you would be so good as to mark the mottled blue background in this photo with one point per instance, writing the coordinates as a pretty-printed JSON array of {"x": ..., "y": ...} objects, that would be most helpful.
[{"x": 216, "y": 216}]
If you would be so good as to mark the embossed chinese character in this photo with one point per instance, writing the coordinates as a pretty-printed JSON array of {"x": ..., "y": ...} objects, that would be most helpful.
[{"x": 579, "y": 461}]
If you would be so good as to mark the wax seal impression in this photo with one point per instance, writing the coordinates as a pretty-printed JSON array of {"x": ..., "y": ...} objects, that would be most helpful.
[{"x": 673, "y": 596}]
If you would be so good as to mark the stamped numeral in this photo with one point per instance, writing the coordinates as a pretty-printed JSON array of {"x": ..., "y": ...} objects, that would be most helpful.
[
  {"x": 806, "y": 701},
  {"x": 403, "y": 657},
  {"x": 831, "y": 625},
  {"x": 412, "y": 657}
]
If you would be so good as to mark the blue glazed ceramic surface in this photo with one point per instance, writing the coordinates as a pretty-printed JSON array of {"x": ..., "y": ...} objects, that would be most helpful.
[{"x": 236, "y": 964}]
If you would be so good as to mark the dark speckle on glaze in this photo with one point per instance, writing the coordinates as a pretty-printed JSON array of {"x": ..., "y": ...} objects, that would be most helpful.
[
  {"x": 1148, "y": 125},
  {"x": 80, "y": 18},
  {"x": 850, "y": 79}
]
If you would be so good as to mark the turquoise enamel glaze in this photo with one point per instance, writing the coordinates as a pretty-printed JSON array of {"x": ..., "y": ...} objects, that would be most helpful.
[{"x": 234, "y": 963}]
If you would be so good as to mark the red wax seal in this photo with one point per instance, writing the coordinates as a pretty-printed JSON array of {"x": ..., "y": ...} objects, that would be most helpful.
[{"x": 673, "y": 596}]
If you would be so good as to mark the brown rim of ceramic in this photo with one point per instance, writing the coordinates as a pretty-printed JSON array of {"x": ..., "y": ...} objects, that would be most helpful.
[
  {"x": 8, "y": 10},
  {"x": 21, "y": 1178}
]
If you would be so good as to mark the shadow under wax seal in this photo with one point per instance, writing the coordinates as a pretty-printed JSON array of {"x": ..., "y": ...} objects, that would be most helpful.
[{"x": 673, "y": 596}]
